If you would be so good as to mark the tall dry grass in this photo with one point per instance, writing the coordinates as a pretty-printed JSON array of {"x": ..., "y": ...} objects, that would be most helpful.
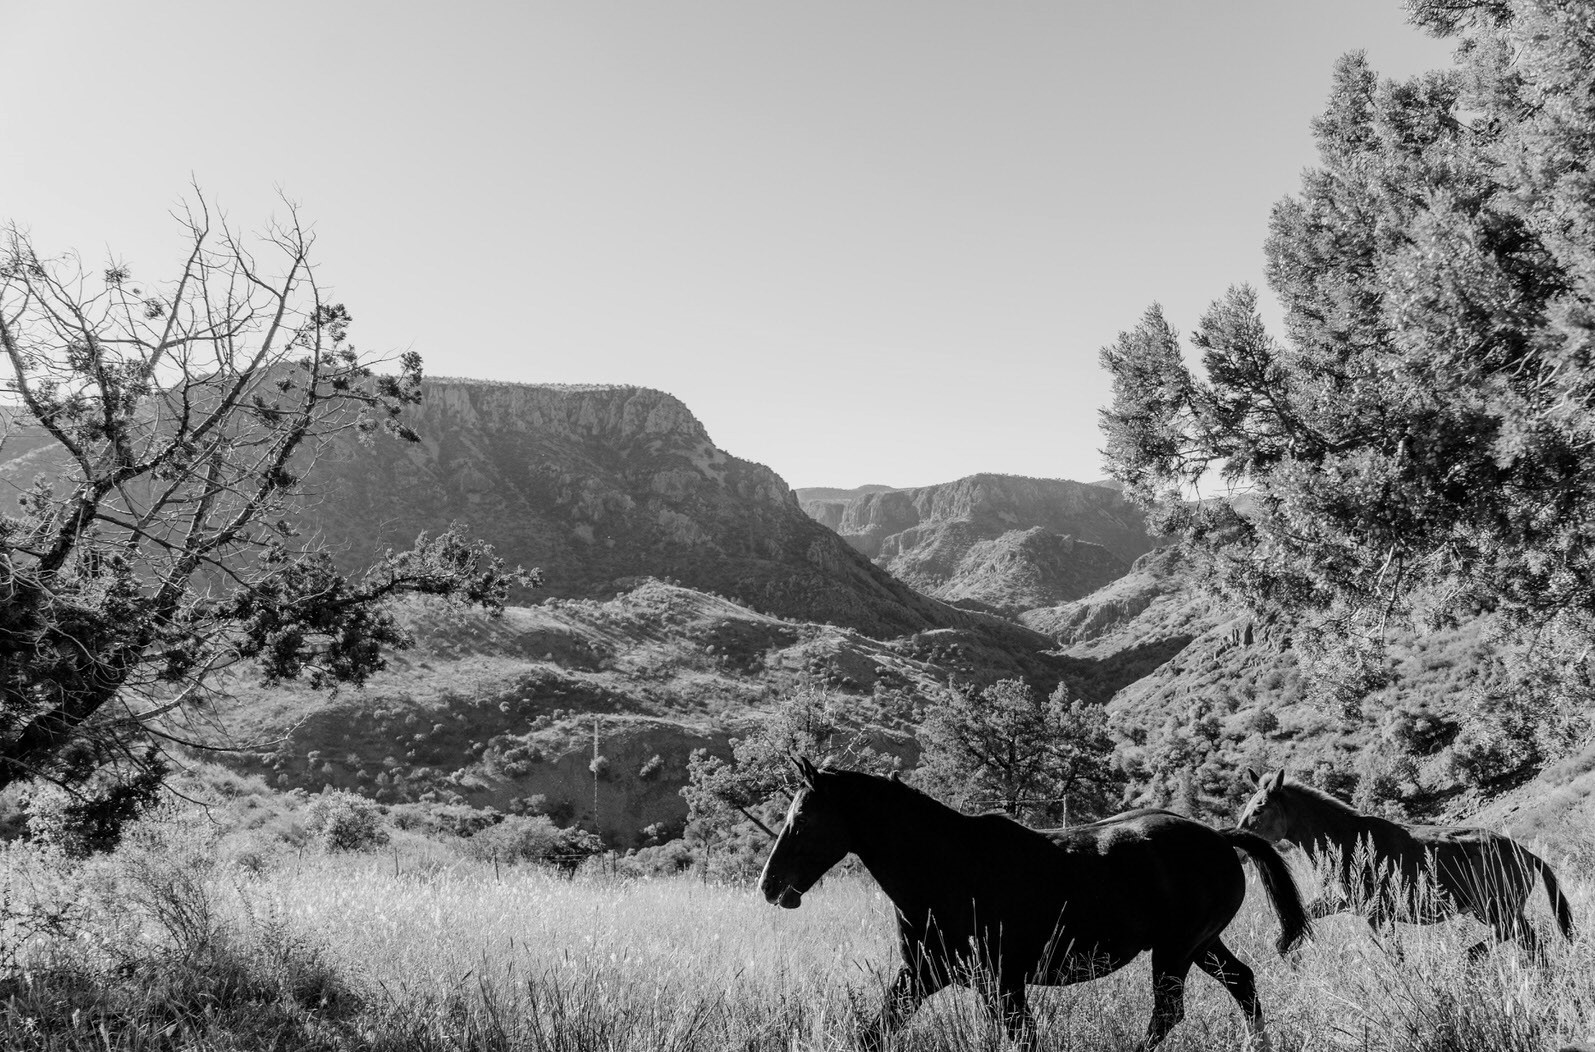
[{"x": 170, "y": 947}]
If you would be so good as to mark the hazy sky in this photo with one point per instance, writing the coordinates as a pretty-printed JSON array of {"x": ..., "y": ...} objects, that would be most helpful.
[{"x": 863, "y": 241}]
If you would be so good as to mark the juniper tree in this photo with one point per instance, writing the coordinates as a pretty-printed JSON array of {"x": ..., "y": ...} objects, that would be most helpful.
[
  {"x": 155, "y": 441},
  {"x": 1005, "y": 748}
]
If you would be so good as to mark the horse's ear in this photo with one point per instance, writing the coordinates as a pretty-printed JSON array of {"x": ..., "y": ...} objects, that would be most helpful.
[
  {"x": 1252, "y": 774},
  {"x": 811, "y": 773},
  {"x": 896, "y": 777},
  {"x": 806, "y": 771},
  {"x": 1275, "y": 780}
]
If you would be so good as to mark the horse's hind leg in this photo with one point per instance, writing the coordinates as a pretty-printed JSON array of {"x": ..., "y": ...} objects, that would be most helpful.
[
  {"x": 1220, "y": 962},
  {"x": 1510, "y": 926}
]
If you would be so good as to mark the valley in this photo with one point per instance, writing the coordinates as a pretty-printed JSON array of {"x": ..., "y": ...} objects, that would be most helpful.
[{"x": 687, "y": 593}]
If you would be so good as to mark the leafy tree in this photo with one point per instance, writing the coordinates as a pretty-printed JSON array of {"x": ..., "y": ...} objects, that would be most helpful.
[
  {"x": 157, "y": 439},
  {"x": 1418, "y": 445},
  {"x": 534, "y": 838},
  {"x": 1188, "y": 764},
  {"x": 748, "y": 786},
  {"x": 344, "y": 821},
  {"x": 1004, "y": 747},
  {"x": 80, "y": 823}
]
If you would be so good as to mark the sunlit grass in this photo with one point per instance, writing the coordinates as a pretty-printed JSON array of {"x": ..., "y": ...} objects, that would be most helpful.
[{"x": 451, "y": 954}]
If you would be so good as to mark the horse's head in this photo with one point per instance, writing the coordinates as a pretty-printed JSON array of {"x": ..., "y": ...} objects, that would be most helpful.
[
  {"x": 1265, "y": 812},
  {"x": 813, "y": 840}
]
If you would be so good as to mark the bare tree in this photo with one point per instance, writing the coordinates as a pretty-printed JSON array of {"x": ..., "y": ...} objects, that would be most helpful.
[{"x": 157, "y": 438}]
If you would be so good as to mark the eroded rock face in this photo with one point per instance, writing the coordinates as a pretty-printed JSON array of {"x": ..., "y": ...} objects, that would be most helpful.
[
  {"x": 997, "y": 542},
  {"x": 827, "y": 513},
  {"x": 597, "y": 485}
]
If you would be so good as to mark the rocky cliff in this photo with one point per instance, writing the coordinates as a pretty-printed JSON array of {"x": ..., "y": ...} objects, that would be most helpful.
[{"x": 599, "y": 486}]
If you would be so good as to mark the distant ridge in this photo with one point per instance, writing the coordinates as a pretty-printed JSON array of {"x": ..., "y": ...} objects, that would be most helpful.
[
  {"x": 599, "y": 486},
  {"x": 1005, "y": 543},
  {"x": 808, "y": 493}
]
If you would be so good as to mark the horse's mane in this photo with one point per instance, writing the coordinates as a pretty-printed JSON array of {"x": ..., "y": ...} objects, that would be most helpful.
[
  {"x": 909, "y": 794},
  {"x": 1336, "y": 818},
  {"x": 1318, "y": 795}
]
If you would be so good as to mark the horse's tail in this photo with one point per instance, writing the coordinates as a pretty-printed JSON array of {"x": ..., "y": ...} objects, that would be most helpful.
[
  {"x": 1277, "y": 881},
  {"x": 1553, "y": 892}
]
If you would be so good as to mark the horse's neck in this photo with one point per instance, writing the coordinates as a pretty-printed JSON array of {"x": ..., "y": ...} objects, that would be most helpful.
[
  {"x": 901, "y": 837},
  {"x": 1317, "y": 824}
]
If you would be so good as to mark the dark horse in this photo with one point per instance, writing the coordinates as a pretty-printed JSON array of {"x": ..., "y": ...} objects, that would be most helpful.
[
  {"x": 985, "y": 902},
  {"x": 1416, "y": 874}
]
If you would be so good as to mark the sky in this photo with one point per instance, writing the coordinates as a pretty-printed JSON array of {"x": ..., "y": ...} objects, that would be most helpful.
[{"x": 865, "y": 241}]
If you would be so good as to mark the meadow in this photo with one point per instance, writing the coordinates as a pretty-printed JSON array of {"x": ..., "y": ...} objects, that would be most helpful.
[{"x": 180, "y": 940}]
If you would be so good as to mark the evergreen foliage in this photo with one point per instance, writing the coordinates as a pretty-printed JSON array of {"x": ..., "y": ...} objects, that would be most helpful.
[
  {"x": 343, "y": 821},
  {"x": 1418, "y": 446},
  {"x": 809, "y": 723},
  {"x": 1044, "y": 761}
]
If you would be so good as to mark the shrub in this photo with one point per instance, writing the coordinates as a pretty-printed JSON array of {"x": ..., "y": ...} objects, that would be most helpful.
[
  {"x": 1262, "y": 721},
  {"x": 1380, "y": 782},
  {"x": 1334, "y": 779},
  {"x": 651, "y": 767},
  {"x": 343, "y": 821},
  {"x": 1420, "y": 732},
  {"x": 533, "y": 838}
]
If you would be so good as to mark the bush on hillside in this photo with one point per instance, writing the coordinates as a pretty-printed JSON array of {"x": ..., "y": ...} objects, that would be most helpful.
[
  {"x": 444, "y": 819},
  {"x": 1383, "y": 782},
  {"x": 1420, "y": 732},
  {"x": 536, "y": 839},
  {"x": 343, "y": 821}
]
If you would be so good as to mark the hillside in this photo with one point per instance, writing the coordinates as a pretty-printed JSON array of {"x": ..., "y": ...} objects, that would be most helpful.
[
  {"x": 991, "y": 542},
  {"x": 685, "y": 592},
  {"x": 1199, "y": 690},
  {"x": 688, "y": 591},
  {"x": 598, "y": 487},
  {"x": 503, "y": 712},
  {"x": 1557, "y": 808}
]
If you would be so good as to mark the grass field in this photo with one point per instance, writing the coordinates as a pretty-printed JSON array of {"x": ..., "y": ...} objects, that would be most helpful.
[{"x": 170, "y": 946}]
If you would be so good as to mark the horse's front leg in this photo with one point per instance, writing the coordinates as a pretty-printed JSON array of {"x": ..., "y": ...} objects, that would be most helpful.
[
  {"x": 1168, "y": 995},
  {"x": 1007, "y": 1003},
  {"x": 908, "y": 989}
]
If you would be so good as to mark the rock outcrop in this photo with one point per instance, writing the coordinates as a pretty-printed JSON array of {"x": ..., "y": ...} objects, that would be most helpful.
[{"x": 598, "y": 486}]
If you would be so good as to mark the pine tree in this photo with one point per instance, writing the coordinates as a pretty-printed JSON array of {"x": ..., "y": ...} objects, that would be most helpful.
[{"x": 1420, "y": 443}]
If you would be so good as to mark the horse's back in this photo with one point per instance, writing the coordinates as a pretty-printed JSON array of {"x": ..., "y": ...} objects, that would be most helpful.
[
  {"x": 1158, "y": 855},
  {"x": 1150, "y": 827}
]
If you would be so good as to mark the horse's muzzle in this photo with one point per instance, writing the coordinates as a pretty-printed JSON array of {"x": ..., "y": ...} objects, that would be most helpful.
[{"x": 788, "y": 898}]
